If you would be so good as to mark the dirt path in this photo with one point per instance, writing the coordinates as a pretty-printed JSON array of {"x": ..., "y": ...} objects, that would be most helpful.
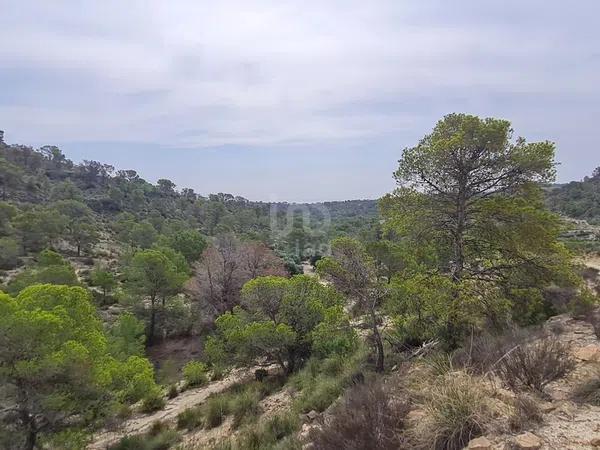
[{"x": 142, "y": 423}]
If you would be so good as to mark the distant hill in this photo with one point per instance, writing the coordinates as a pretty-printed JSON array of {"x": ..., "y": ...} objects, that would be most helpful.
[{"x": 577, "y": 199}]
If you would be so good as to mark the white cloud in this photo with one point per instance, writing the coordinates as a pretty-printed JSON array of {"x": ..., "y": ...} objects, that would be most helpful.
[{"x": 269, "y": 72}]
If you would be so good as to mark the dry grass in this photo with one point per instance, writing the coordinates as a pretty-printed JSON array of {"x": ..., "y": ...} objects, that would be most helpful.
[
  {"x": 370, "y": 417},
  {"x": 526, "y": 412},
  {"x": 456, "y": 410},
  {"x": 588, "y": 391},
  {"x": 535, "y": 364}
]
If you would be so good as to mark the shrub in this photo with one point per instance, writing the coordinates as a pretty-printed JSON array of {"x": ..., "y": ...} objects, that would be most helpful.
[
  {"x": 526, "y": 412},
  {"x": 369, "y": 417},
  {"x": 244, "y": 405},
  {"x": 260, "y": 374},
  {"x": 173, "y": 392},
  {"x": 194, "y": 374},
  {"x": 215, "y": 410},
  {"x": 456, "y": 412},
  {"x": 154, "y": 401},
  {"x": 484, "y": 351},
  {"x": 535, "y": 364},
  {"x": 589, "y": 390},
  {"x": 282, "y": 425},
  {"x": 158, "y": 438},
  {"x": 320, "y": 395},
  {"x": 190, "y": 419},
  {"x": 273, "y": 434}
]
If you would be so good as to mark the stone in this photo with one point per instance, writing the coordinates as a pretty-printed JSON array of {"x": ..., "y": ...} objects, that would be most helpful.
[
  {"x": 595, "y": 442},
  {"x": 481, "y": 443},
  {"x": 313, "y": 415},
  {"x": 588, "y": 353},
  {"x": 528, "y": 441},
  {"x": 547, "y": 407}
]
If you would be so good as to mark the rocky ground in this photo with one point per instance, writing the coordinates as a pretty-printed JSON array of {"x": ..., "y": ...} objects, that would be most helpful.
[{"x": 566, "y": 424}]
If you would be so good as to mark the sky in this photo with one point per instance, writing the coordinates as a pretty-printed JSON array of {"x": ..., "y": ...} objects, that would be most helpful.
[{"x": 293, "y": 100}]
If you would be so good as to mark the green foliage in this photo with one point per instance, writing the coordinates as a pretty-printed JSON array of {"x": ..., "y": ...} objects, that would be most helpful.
[
  {"x": 578, "y": 199},
  {"x": 469, "y": 207},
  {"x": 9, "y": 253},
  {"x": 334, "y": 335},
  {"x": 190, "y": 419},
  {"x": 278, "y": 321},
  {"x": 126, "y": 337},
  {"x": 132, "y": 380},
  {"x": 245, "y": 406},
  {"x": 51, "y": 268},
  {"x": 190, "y": 243},
  {"x": 158, "y": 438},
  {"x": 194, "y": 374},
  {"x": 216, "y": 409},
  {"x": 38, "y": 227},
  {"x": 54, "y": 357},
  {"x": 152, "y": 274},
  {"x": 104, "y": 279},
  {"x": 153, "y": 401}
]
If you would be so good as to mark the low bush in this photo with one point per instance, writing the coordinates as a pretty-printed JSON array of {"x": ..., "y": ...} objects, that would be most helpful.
[
  {"x": 195, "y": 374},
  {"x": 158, "y": 438},
  {"x": 535, "y": 364},
  {"x": 173, "y": 392},
  {"x": 526, "y": 412},
  {"x": 215, "y": 410},
  {"x": 483, "y": 352},
  {"x": 190, "y": 419},
  {"x": 275, "y": 434},
  {"x": 154, "y": 401},
  {"x": 244, "y": 405},
  {"x": 322, "y": 393},
  {"x": 588, "y": 391},
  {"x": 369, "y": 417},
  {"x": 456, "y": 411}
]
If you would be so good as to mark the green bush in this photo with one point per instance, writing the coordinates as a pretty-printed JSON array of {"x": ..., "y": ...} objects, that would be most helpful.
[
  {"x": 216, "y": 409},
  {"x": 9, "y": 253},
  {"x": 173, "y": 392},
  {"x": 320, "y": 395},
  {"x": 154, "y": 401},
  {"x": 194, "y": 374},
  {"x": 244, "y": 406},
  {"x": 158, "y": 438},
  {"x": 190, "y": 419}
]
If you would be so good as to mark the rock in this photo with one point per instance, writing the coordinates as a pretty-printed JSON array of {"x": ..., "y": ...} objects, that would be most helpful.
[
  {"x": 588, "y": 353},
  {"x": 528, "y": 441},
  {"x": 547, "y": 407},
  {"x": 313, "y": 415},
  {"x": 595, "y": 442},
  {"x": 481, "y": 443}
]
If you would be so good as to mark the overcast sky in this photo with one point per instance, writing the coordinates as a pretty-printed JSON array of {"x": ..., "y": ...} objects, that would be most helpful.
[{"x": 297, "y": 101}]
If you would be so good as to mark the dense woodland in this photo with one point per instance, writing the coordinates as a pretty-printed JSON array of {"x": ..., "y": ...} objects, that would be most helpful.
[
  {"x": 578, "y": 199},
  {"x": 102, "y": 268}
]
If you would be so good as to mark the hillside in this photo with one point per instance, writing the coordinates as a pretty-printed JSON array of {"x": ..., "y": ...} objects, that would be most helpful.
[
  {"x": 578, "y": 199},
  {"x": 140, "y": 316}
]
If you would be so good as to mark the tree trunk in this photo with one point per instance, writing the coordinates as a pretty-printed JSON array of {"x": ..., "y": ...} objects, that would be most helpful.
[
  {"x": 78, "y": 250},
  {"x": 379, "y": 367},
  {"x": 461, "y": 226},
  {"x": 152, "y": 321}
]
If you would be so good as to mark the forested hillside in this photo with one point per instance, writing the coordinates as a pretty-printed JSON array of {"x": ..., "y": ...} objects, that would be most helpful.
[
  {"x": 142, "y": 316},
  {"x": 578, "y": 199}
]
